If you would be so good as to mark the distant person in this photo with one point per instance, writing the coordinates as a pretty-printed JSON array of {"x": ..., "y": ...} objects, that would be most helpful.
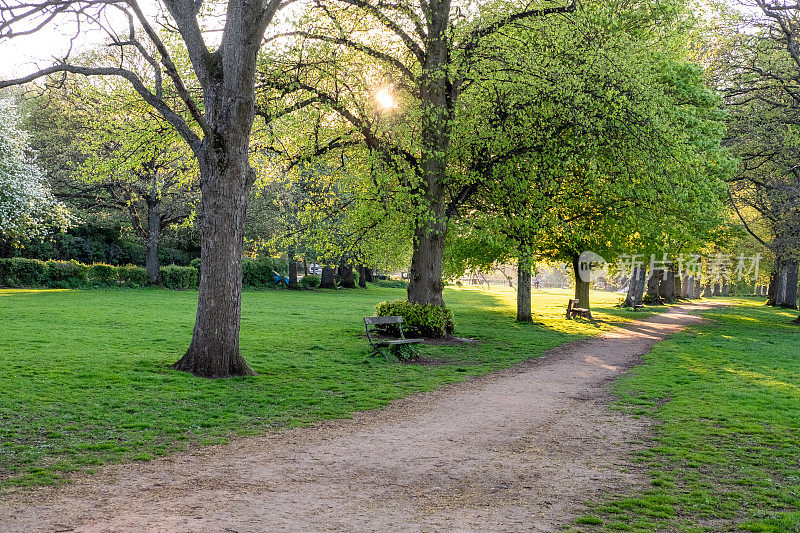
[{"x": 536, "y": 283}]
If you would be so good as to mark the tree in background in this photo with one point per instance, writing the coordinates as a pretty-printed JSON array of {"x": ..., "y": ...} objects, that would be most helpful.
[
  {"x": 138, "y": 165},
  {"x": 417, "y": 58},
  {"x": 213, "y": 113},
  {"x": 27, "y": 207},
  {"x": 557, "y": 166},
  {"x": 757, "y": 69}
]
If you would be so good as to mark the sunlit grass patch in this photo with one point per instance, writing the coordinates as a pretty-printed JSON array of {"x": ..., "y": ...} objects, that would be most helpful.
[
  {"x": 87, "y": 379},
  {"x": 725, "y": 394}
]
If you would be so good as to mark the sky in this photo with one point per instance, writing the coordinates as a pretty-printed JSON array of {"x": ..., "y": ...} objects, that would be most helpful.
[{"x": 20, "y": 55}]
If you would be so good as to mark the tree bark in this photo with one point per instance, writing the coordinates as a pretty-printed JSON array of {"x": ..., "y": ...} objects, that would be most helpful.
[
  {"x": 524, "y": 290},
  {"x": 581, "y": 287},
  {"x": 773, "y": 284},
  {"x": 635, "y": 287},
  {"x": 666, "y": 287},
  {"x": 362, "y": 276},
  {"x": 790, "y": 291},
  {"x": 327, "y": 280},
  {"x": 151, "y": 248},
  {"x": 225, "y": 183},
  {"x": 292, "y": 272},
  {"x": 438, "y": 97},
  {"x": 346, "y": 278},
  {"x": 369, "y": 274},
  {"x": 654, "y": 283},
  {"x": 698, "y": 288},
  {"x": 426, "y": 286}
]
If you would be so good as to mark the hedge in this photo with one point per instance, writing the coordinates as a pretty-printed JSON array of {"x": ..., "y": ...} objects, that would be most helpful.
[
  {"x": 19, "y": 272},
  {"x": 132, "y": 275},
  {"x": 179, "y": 278},
  {"x": 66, "y": 274},
  {"x": 430, "y": 321},
  {"x": 22, "y": 272},
  {"x": 310, "y": 281},
  {"x": 103, "y": 274}
]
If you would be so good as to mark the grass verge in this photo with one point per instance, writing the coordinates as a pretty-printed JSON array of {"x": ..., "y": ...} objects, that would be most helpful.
[
  {"x": 86, "y": 377},
  {"x": 725, "y": 396}
]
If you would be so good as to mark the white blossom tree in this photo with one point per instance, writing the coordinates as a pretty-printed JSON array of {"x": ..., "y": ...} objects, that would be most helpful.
[{"x": 27, "y": 207}]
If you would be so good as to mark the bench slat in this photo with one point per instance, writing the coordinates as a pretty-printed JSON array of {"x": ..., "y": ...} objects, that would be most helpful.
[
  {"x": 397, "y": 341},
  {"x": 382, "y": 320}
]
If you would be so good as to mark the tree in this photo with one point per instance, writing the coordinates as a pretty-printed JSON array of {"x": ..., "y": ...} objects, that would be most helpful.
[
  {"x": 759, "y": 75},
  {"x": 213, "y": 113},
  {"x": 27, "y": 206},
  {"x": 133, "y": 162},
  {"x": 560, "y": 167},
  {"x": 421, "y": 54}
]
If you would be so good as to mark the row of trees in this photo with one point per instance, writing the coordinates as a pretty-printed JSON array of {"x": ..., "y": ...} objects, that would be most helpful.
[
  {"x": 502, "y": 131},
  {"x": 755, "y": 63}
]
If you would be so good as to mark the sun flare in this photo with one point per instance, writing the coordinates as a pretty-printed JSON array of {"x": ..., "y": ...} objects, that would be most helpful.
[{"x": 384, "y": 99}]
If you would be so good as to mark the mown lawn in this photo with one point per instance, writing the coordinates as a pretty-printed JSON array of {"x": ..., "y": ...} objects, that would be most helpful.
[
  {"x": 86, "y": 380},
  {"x": 726, "y": 457}
]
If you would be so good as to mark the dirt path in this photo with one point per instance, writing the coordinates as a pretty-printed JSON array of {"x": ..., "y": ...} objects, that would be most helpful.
[{"x": 520, "y": 449}]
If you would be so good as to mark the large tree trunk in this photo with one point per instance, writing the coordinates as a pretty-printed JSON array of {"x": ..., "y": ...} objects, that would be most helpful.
[
  {"x": 151, "y": 246},
  {"x": 438, "y": 99},
  {"x": 369, "y": 275},
  {"x": 225, "y": 183},
  {"x": 227, "y": 77},
  {"x": 666, "y": 288},
  {"x": 292, "y": 272},
  {"x": 788, "y": 285},
  {"x": 327, "y": 280},
  {"x": 581, "y": 287},
  {"x": 346, "y": 278},
  {"x": 653, "y": 284},
  {"x": 773, "y": 284},
  {"x": 425, "y": 286},
  {"x": 524, "y": 290},
  {"x": 362, "y": 276},
  {"x": 635, "y": 287},
  {"x": 687, "y": 285}
]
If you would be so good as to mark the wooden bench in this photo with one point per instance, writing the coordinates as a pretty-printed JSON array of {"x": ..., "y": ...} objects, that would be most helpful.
[
  {"x": 371, "y": 324},
  {"x": 573, "y": 310}
]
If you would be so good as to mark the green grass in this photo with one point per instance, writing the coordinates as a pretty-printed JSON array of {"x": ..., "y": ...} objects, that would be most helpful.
[
  {"x": 726, "y": 456},
  {"x": 86, "y": 380}
]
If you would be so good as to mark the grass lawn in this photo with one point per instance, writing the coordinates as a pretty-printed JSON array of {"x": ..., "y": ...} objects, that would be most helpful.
[
  {"x": 726, "y": 457},
  {"x": 86, "y": 377}
]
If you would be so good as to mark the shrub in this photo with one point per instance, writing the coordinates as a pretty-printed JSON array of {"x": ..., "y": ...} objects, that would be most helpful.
[
  {"x": 391, "y": 283},
  {"x": 310, "y": 281},
  {"x": 256, "y": 272},
  {"x": 19, "y": 272},
  {"x": 178, "y": 277},
  {"x": 281, "y": 266},
  {"x": 423, "y": 320},
  {"x": 66, "y": 274},
  {"x": 102, "y": 273},
  {"x": 132, "y": 275}
]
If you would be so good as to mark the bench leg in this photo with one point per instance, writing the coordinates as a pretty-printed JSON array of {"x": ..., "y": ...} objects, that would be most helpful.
[{"x": 377, "y": 351}]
